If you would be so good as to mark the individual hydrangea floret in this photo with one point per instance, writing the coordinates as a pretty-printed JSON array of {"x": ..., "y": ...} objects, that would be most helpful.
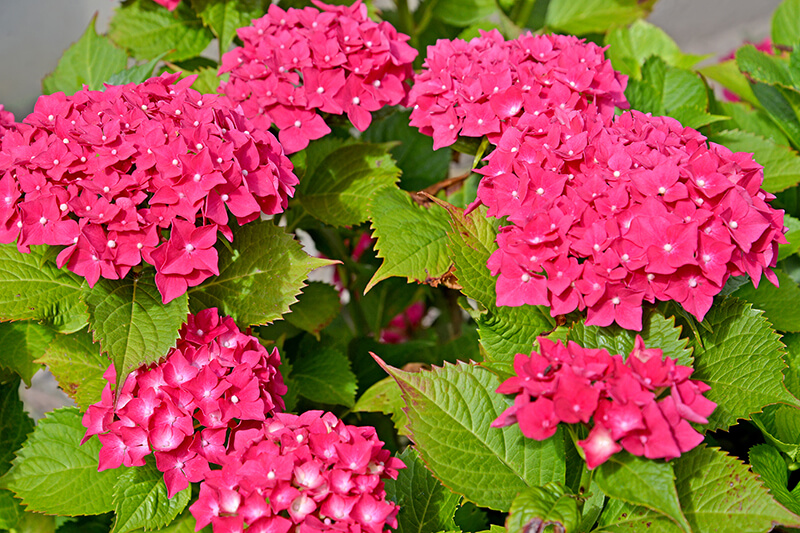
[
  {"x": 7, "y": 121},
  {"x": 608, "y": 214},
  {"x": 169, "y": 4},
  {"x": 108, "y": 174},
  {"x": 298, "y": 63},
  {"x": 182, "y": 408},
  {"x": 643, "y": 404},
  {"x": 484, "y": 86},
  {"x": 293, "y": 473}
]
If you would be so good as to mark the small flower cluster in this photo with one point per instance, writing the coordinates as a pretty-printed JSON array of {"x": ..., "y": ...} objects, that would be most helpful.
[
  {"x": 627, "y": 400},
  {"x": 486, "y": 85},
  {"x": 105, "y": 173},
  {"x": 296, "y": 473},
  {"x": 216, "y": 376},
  {"x": 300, "y": 61},
  {"x": 608, "y": 214},
  {"x": 7, "y": 121}
]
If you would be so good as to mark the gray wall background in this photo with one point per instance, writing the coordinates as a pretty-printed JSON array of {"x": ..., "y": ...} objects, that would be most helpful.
[{"x": 34, "y": 33}]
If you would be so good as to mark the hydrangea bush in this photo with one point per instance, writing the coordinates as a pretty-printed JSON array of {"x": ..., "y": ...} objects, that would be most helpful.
[{"x": 452, "y": 267}]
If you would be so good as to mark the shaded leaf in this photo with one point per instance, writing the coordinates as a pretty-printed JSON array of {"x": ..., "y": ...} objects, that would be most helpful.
[
  {"x": 23, "y": 343},
  {"x": 425, "y": 505},
  {"x": 316, "y": 307},
  {"x": 90, "y": 61},
  {"x": 450, "y": 410},
  {"x": 260, "y": 278},
  {"x": 780, "y": 425},
  {"x": 15, "y": 424},
  {"x": 78, "y": 366},
  {"x": 338, "y": 180},
  {"x": 324, "y": 376},
  {"x": 727, "y": 74},
  {"x": 778, "y": 303},
  {"x": 135, "y": 74},
  {"x": 54, "y": 474},
  {"x": 411, "y": 240},
  {"x": 507, "y": 331},
  {"x": 385, "y": 397}
]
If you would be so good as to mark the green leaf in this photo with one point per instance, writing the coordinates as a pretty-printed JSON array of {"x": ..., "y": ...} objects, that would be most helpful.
[
  {"x": 54, "y": 474},
  {"x": 147, "y": 30},
  {"x": 640, "y": 481},
  {"x": 786, "y": 23},
  {"x": 207, "y": 81},
  {"x": 719, "y": 493},
  {"x": 419, "y": 255},
  {"x": 462, "y": 13},
  {"x": 727, "y": 74},
  {"x": 385, "y": 397},
  {"x": 135, "y": 74},
  {"x": 780, "y": 425},
  {"x": 132, "y": 325},
  {"x": 621, "y": 517},
  {"x": 507, "y": 331},
  {"x": 185, "y": 523},
  {"x": 78, "y": 366},
  {"x": 593, "y": 16},
  {"x": 781, "y": 163},
  {"x": 414, "y": 154},
  {"x": 316, "y": 307},
  {"x": 425, "y": 505},
  {"x": 740, "y": 358},
  {"x": 694, "y": 116},
  {"x": 260, "y": 279},
  {"x": 472, "y": 242},
  {"x": 15, "y": 424},
  {"x": 140, "y": 500},
  {"x": 665, "y": 89},
  {"x": 10, "y": 510},
  {"x": 338, "y": 181},
  {"x": 657, "y": 332},
  {"x": 762, "y": 67},
  {"x": 792, "y": 357},
  {"x": 756, "y": 121},
  {"x": 450, "y": 410},
  {"x": 536, "y": 508},
  {"x": 225, "y": 16},
  {"x": 778, "y": 303},
  {"x": 792, "y": 235},
  {"x": 780, "y": 104},
  {"x": 90, "y": 61},
  {"x": 768, "y": 463},
  {"x": 23, "y": 343},
  {"x": 31, "y": 287},
  {"x": 324, "y": 376},
  {"x": 630, "y": 46}
]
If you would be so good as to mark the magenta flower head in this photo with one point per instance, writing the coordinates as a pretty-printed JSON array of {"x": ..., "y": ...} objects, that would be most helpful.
[
  {"x": 643, "y": 404},
  {"x": 182, "y": 408},
  {"x": 293, "y": 473},
  {"x": 487, "y": 85},
  {"x": 298, "y": 63},
  {"x": 607, "y": 214},
  {"x": 169, "y": 4},
  {"x": 107, "y": 174},
  {"x": 7, "y": 121}
]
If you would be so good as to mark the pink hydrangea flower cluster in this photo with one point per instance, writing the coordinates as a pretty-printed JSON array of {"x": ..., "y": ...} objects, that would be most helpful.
[
  {"x": 7, "y": 121},
  {"x": 105, "y": 173},
  {"x": 297, "y": 62},
  {"x": 300, "y": 473},
  {"x": 643, "y": 404},
  {"x": 182, "y": 408},
  {"x": 608, "y": 214},
  {"x": 486, "y": 85}
]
